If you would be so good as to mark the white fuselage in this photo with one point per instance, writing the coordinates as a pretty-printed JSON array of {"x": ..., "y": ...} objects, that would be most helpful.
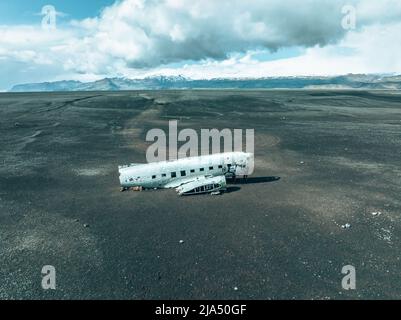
[{"x": 171, "y": 174}]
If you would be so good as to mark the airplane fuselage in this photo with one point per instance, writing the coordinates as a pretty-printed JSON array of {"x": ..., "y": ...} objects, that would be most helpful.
[{"x": 171, "y": 174}]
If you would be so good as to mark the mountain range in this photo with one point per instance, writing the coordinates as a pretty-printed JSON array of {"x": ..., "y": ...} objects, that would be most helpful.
[{"x": 351, "y": 81}]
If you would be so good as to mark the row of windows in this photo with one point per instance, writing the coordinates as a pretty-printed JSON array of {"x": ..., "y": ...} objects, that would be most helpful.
[{"x": 183, "y": 173}]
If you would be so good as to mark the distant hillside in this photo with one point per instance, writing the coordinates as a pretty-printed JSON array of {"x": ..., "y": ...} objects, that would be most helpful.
[{"x": 165, "y": 82}]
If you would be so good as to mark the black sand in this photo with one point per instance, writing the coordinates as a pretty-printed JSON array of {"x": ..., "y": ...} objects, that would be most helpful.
[{"x": 337, "y": 155}]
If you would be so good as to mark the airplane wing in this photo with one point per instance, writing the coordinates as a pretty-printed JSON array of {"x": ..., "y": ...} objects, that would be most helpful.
[
  {"x": 202, "y": 184},
  {"x": 184, "y": 180}
]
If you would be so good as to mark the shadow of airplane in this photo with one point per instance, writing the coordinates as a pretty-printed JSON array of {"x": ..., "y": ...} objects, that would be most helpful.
[
  {"x": 232, "y": 189},
  {"x": 253, "y": 180}
]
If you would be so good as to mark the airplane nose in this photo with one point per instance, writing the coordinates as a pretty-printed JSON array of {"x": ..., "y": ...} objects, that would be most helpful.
[{"x": 250, "y": 162}]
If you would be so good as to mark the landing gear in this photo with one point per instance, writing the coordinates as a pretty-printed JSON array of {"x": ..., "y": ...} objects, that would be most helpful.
[{"x": 232, "y": 177}]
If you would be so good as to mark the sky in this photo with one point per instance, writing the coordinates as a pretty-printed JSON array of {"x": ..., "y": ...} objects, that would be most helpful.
[{"x": 88, "y": 40}]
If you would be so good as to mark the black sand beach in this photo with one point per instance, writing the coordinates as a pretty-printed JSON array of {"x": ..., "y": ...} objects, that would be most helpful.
[{"x": 323, "y": 159}]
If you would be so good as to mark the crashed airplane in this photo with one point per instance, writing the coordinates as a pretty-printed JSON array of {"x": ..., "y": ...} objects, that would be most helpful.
[{"x": 189, "y": 176}]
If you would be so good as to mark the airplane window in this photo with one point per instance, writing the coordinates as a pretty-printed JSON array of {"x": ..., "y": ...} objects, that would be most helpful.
[
  {"x": 130, "y": 179},
  {"x": 202, "y": 169},
  {"x": 173, "y": 174},
  {"x": 210, "y": 168},
  {"x": 192, "y": 170},
  {"x": 153, "y": 177},
  {"x": 164, "y": 175},
  {"x": 220, "y": 167},
  {"x": 183, "y": 173}
]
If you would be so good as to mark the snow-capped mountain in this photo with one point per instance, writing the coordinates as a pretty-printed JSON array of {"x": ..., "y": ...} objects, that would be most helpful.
[{"x": 179, "y": 82}]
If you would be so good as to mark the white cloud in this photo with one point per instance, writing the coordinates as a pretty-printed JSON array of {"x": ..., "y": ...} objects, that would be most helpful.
[
  {"x": 138, "y": 38},
  {"x": 373, "y": 49}
]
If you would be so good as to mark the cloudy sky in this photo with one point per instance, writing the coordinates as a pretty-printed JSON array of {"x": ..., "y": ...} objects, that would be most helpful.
[{"x": 93, "y": 39}]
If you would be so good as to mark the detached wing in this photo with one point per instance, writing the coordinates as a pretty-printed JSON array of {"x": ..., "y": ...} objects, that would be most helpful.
[
  {"x": 184, "y": 180},
  {"x": 203, "y": 184}
]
